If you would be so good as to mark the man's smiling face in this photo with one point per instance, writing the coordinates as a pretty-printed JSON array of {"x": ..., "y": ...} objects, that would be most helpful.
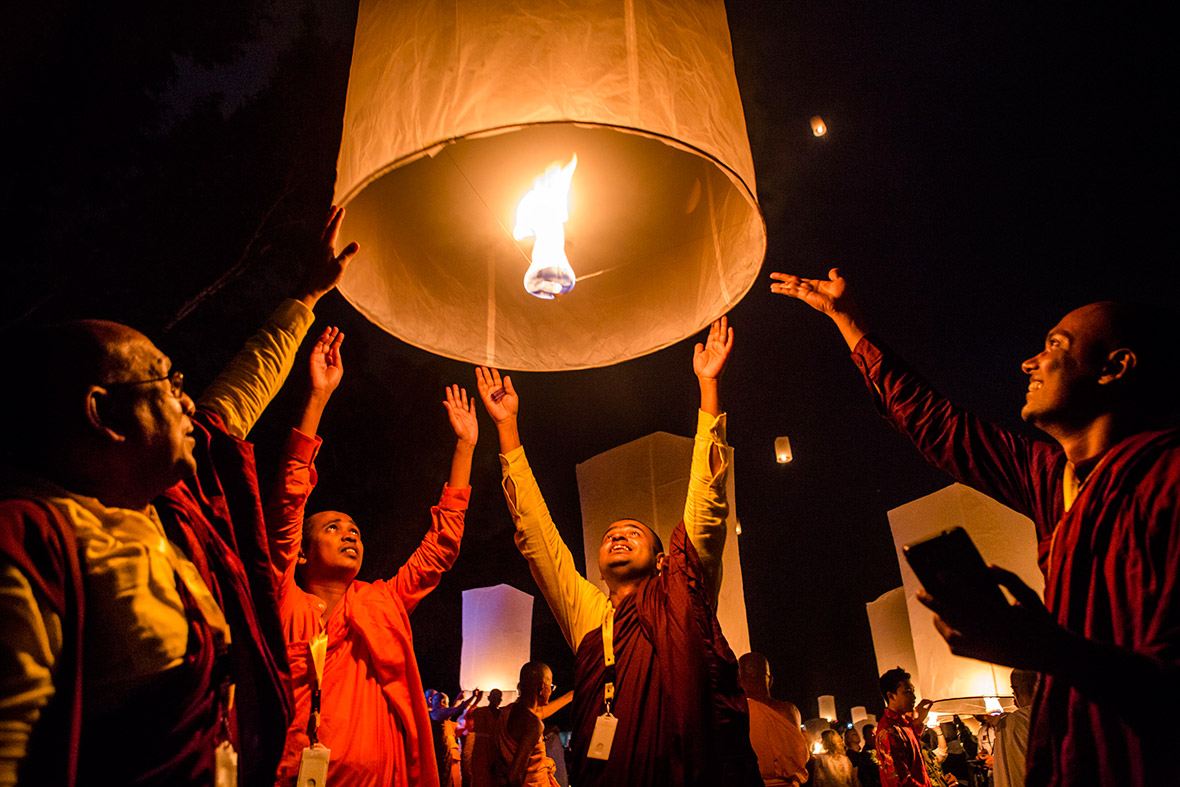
[{"x": 629, "y": 551}]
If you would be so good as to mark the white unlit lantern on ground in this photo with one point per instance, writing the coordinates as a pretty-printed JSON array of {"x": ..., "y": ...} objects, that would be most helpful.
[
  {"x": 497, "y": 638},
  {"x": 455, "y": 109}
]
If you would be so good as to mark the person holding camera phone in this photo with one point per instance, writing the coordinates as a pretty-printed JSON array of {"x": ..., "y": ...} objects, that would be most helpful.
[{"x": 1103, "y": 495}]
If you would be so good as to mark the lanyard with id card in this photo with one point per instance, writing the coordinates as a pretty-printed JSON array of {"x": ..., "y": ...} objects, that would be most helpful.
[
  {"x": 604, "y": 725},
  {"x": 313, "y": 764}
]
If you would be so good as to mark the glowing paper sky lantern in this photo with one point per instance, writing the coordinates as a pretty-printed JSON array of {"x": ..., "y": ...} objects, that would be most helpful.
[
  {"x": 454, "y": 109},
  {"x": 782, "y": 450},
  {"x": 1005, "y": 538},
  {"x": 818, "y": 126},
  {"x": 827, "y": 707}
]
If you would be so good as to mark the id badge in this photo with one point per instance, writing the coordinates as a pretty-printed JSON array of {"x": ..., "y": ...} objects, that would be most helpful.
[
  {"x": 225, "y": 765},
  {"x": 313, "y": 766},
  {"x": 603, "y": 737}
]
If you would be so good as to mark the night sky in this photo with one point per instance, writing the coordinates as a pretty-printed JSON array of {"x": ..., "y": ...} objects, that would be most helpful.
[{"x": 987, "y": 168}]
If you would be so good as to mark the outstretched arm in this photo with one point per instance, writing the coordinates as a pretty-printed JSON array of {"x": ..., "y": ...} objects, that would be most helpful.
[
  {"x": 577, "y": 604},
  {"x": 440, "y": 547},
  {"x": 706, "y": 507},
  {"x": 297, "y": 476},
  {"x": 254, "y": 376},
  {"x": 829, "y": 297},
  {"x": 554, "y": 705}
]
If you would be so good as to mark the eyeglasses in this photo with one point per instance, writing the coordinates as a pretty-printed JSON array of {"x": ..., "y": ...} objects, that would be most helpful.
[{"x": 175, "y": 382}]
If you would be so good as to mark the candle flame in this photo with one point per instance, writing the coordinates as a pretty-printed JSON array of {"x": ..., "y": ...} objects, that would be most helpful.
[
  {"x": 542, "y": 214},
  {"x": 993, "y": 706}
]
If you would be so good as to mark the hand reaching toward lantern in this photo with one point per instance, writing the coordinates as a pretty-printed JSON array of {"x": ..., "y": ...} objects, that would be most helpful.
[
  {"x": 325, "y": 370},
  {"x": 325, "y": 366},
  {"x": 830, "y": 297},
  {"x": 461, "y": 411},
  {"x": 326, "y": 267},
  {"x": 500, "y": 400},
  {"x": 708, "y": 362}
]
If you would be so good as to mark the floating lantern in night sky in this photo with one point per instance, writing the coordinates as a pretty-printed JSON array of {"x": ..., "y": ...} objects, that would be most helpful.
[
  {"x": 782, "y": 450},
  {"x": 454, "y": 109},
  {"x": 818, "y": 127}
]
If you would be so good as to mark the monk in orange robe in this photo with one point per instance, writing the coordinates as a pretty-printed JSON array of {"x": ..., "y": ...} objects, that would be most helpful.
[{"x": 372, "y": 713}]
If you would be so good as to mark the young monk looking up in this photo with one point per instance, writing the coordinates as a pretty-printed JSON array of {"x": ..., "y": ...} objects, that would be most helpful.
[{"x": 373, "y": 714}]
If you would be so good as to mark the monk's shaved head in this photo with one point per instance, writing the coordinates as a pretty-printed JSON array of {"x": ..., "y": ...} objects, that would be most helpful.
[
  {"x": 532, "y": 676},
  {"x": 58, "y": 363}
]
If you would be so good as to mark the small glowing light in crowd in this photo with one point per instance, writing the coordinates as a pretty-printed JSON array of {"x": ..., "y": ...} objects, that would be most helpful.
[
  {"x": 817, "y": 748},
  {"x": 542, "y": 213},
  {"x": 818, "y": 127},
  {"x": 782, "y": 450},
  {"x": 993, "y": 706},
  {"x": 932, "y": 721},
  {"x": 738, "y": 528}
]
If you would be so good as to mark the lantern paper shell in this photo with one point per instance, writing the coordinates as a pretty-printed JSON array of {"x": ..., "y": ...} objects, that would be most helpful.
[
  {"x": 1004, "y": 538},
  {"x": 454, "y": 109}
]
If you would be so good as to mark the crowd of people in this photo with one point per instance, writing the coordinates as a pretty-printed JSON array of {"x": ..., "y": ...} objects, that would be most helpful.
[{"x": 164, "y": 621}]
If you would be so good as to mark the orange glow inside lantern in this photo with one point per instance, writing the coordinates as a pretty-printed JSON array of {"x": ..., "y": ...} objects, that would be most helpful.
[
  {"x": 782, "y": 450},
  {"x": 542, "y": 214},
  {"x": 818, "y": 127}
]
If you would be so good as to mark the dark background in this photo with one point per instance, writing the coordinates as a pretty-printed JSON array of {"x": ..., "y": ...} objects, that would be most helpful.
[{"x": 987, "y": 168}]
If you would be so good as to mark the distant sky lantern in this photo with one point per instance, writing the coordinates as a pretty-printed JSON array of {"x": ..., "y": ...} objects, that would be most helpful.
[
  {"x": 542, "y": 214},
  {"x": 818, "y": 127},
  {"x": 827, "y": 707},
  {"x": 782, "y": 450},
  {"x": 454, "y": 109}
]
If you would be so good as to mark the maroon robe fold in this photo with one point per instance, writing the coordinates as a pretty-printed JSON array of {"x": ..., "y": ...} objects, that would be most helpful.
[
  {"x": 166, "y": 731},
  {"x": 1111, "y": 563},
  {"x": 40, "y": 542},
  {"x": 682, "y": 716}
]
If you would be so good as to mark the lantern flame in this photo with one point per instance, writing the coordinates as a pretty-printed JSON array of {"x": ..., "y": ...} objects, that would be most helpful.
[
  {"x": 542, "y": 213},
  {"x": 993, "y": 706},
  {"x": 817, "y": 747},
  {"x": 818, "y": 127}
]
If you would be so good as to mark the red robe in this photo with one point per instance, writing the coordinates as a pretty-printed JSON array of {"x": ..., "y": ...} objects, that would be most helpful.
[
  {"x": 167, "y": 732},
  {"x": 373, "y": 707},
  {"x": 682, "y": 715},
  {"x": 899, "y": 751},
  {"x": 1111, "y": 564}
]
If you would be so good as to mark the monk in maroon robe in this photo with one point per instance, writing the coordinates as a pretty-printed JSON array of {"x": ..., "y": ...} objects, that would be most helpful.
[
  {"x": 1103, "y": 496},
  {"x": 139, "y": 635},
  {"x": 650, "y": 653}
]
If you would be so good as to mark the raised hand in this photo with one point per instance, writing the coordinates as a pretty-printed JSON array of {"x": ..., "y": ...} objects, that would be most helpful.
[
  {"x": 461, "y": 411},
  {"x": 708, "y": 359},
  {"x": 825, "y": 296},
  {"x": 326, "y": 267},
  {"x": 325, "y": 367},
  {"x": 830, "y": 296},
  {"x": 499, "y": 397}
]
